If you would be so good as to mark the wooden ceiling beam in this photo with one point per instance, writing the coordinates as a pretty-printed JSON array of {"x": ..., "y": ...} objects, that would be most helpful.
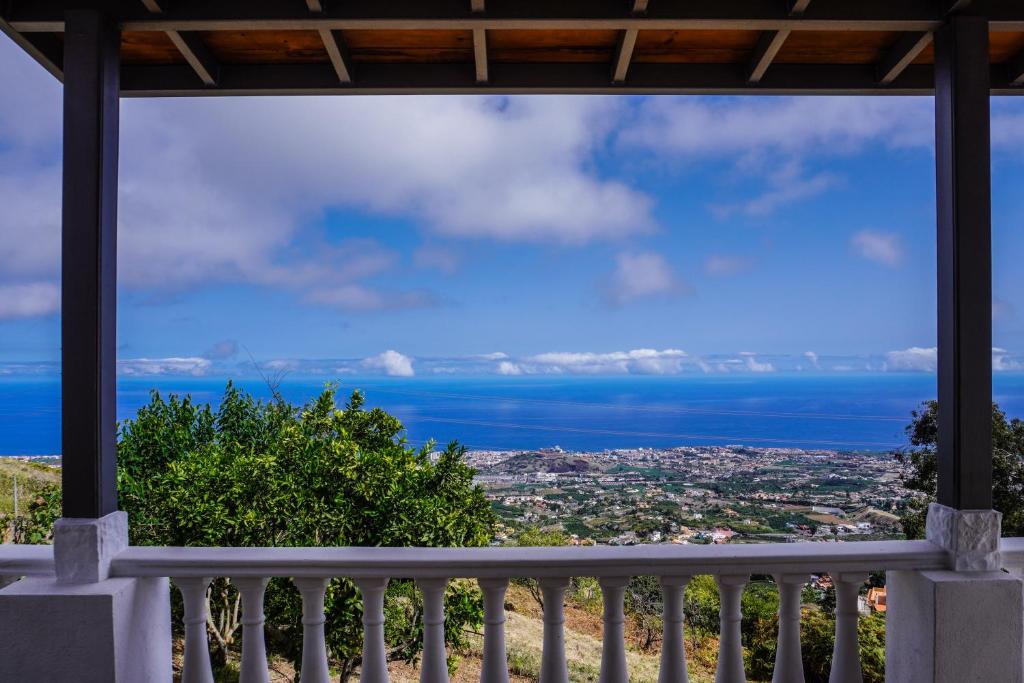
[
  {"x": 623, "y": 55},
  {"x": 480, "y": 54},
  {"x": 901, "y": 55},
  {"x": 156, "y": 6},
  {"x": 315, "y": 6},
  {"x": 193, "y": 49},
  {"x": 768, "y": 45},
  {"x": 337, "y": 52},
  {"x": 770, "y": 42}
]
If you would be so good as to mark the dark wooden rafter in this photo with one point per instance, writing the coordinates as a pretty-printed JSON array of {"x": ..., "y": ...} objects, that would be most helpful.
[
  {"x": 191, "y": 46},
  {"x": 770, "y": 42},
  {"x": 480, "y": 44},
  {"x": 337, "y": 52},
  {"x": 315, "y": 6},
  {"x": 901, "y": 55},
  {"x": 626, "y": 45}
]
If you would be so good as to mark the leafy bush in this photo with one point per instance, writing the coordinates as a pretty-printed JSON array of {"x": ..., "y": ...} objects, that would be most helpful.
[{"x": 256, "y": 473}]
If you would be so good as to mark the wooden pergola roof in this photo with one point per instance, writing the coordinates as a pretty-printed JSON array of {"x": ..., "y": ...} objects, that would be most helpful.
[{"x": 236, "y": 47}]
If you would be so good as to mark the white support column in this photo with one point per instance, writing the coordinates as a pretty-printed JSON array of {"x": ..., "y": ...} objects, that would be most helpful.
[
  {"x": 789, "y": 667},
  {"x": 254, "y": 649},
  {"x": 953, "y": 626},
  {"x": 196, "y": 667},
  {"x": 613, "y": 650},
  {"x": 434, "y": 667},
  {"x": 730, "y": 643},
  {"x": 553, "y": 667},
  {"x": 673, "y": 650},
  {"x": 846, "y": 650},
  {"x": 314, "y": 647},
  {"x": 495, "y": 664},
  {"x": 375, "y": 657}
]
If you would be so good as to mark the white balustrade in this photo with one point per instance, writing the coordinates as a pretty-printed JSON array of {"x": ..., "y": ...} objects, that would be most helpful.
[
  {"x": 196, "y": 666},
  {"x": 789, "y": 666},
  {"x": 375, "y": 656},
  {"x": 190, "y": 569},
  {"x": 846, "y": 651},
  {"x": 553, "y": 667},
  {"x": 434, "y": 665},
  {"x": 613, "y": 650},
  {"x": 314, "y": 647},
  {"x": 673, "y": 650},
  {"x": 730, "y": 641},
  {"x": 254, "y": 649},
  {"x": 495, "y": 664}
]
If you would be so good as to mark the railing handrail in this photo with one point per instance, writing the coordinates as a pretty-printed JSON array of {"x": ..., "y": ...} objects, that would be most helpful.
[
  {"x": 26, "y": 560},
  {"x": 514, "y": 562}
]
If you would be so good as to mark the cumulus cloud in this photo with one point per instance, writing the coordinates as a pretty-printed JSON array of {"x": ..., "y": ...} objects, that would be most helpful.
[
  {"x": 392, "y": 363},
  {"x": 636, "y": 362},
  {"x": 1003, "y": 362},
  {"x": 29, "y": 300},
  {"x": 752, "y": 364},
  {"x": 194, "y": 366},
  {"x": 199, "y": 202},
  {"x": 812, "y": 358},
  {"x": 640, "y": 275},
  {"x": 880, "y": 247},
  {"x": 913, "y": 359},
  {"x": 510, "y": 369}
]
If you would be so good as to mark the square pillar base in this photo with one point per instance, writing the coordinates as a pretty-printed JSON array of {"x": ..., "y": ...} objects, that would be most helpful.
[
  {"x": 113, "y": 631},
  {"x": 954, "y": 627}
]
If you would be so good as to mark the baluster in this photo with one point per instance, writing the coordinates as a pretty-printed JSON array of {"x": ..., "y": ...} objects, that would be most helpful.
[
  {"x": 196, "y": 667},
  {"x": 789, "y": 666},
  {"x": 314, "y": 648},
  {"x": 434, "y": 667},
  {"x": 673, "y": 650},
  {"x": 254, "y": 649},
  {"x": 846, "y": 652},
  {"x": 495, "y": 664},
  {"x": 730, "y": 644},
  {"x": 553, "y": 667},
  {"x": 375, "y": 658},
  {"x": 613, "y": 649}
]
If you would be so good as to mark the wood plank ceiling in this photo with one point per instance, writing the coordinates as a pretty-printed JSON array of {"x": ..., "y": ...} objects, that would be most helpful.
[{"x": 330, "y": 46}]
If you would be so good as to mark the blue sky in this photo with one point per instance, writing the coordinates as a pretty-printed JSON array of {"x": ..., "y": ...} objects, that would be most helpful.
[{"x": 505, "y": 235}]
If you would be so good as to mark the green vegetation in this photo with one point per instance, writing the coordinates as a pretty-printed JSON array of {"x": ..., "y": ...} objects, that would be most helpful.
[
  {"x": 922, "y": 471},
  {"x": 257, "y": 473}
]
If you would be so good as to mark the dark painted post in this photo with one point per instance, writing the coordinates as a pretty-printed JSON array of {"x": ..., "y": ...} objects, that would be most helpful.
[
  {"x": 963, "y": 200},
  {"x": 89, "y": 263}
]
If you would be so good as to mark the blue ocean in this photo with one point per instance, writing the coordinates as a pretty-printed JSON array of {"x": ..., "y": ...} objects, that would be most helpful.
[{"x": 846, "y": 412}]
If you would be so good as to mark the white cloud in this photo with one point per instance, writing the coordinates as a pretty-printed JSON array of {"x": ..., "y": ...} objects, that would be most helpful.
[
  {"x": 507, "y": 368},
  {"x": 750, "y": 360},
  {"x": 913, "y": 359},
  {"x": 640, "y": 275},
  {"x": 636, "y": 362},
  {"x": 497, "y": 355},
  {"x": 788, "y": 184},
  {"x": 723, "y": 127},
  {"x": 392, "y": 363},
  {"x": 443, "y": 260},
  {"x": 812, "y": 358},
  {"x": 29, "y": 300},
  {"x": 193, "y": 366},
  {"x": 232, "y": 190},
  {"x": 880, "y": 247},
  {"x": 1003, "y": 362}
]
